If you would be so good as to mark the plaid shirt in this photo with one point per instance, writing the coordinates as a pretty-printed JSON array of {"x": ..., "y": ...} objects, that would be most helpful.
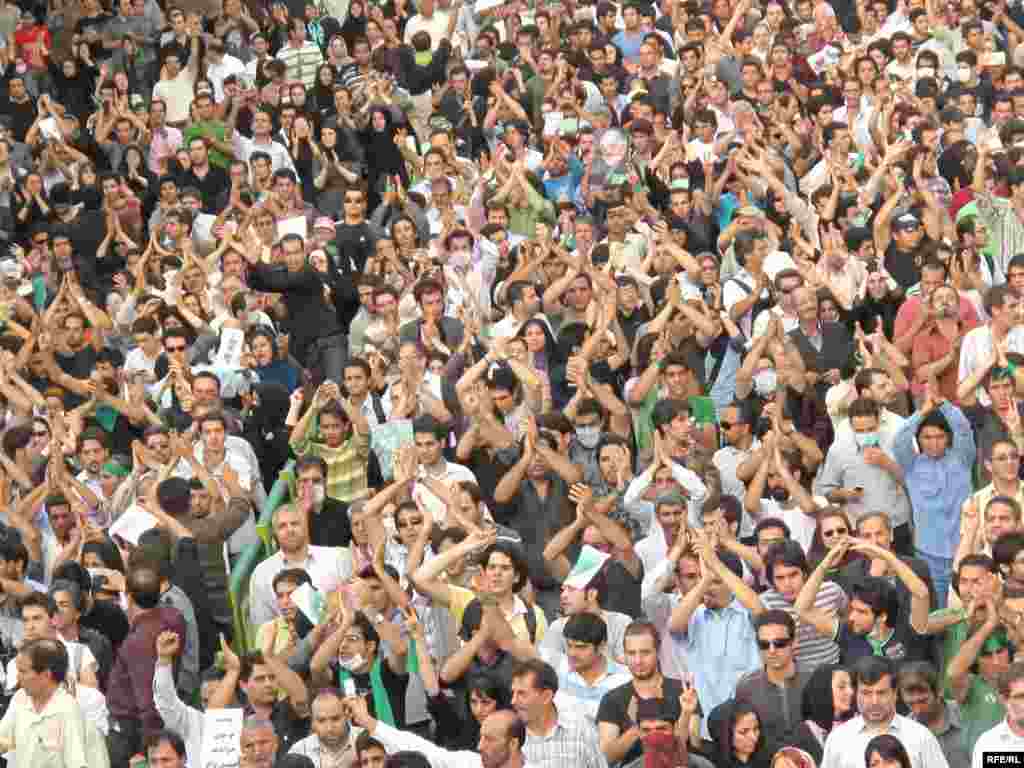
[
  {"x": 346, "y": 464},
  {"x": 573, "y": 741}
]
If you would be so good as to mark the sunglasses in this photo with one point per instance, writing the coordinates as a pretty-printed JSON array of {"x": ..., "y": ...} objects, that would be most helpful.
[
  {"x": 775, "y": 645},
  {"x": 181, "y": 348},
  {"x": 726, "y": 425}
]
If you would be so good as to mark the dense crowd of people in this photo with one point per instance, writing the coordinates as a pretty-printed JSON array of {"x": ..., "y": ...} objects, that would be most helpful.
[{"x": 645, "y": 382}]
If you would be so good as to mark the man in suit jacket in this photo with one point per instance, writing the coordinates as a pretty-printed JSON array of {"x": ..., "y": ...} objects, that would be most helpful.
[{"x": 826, "y": 348}]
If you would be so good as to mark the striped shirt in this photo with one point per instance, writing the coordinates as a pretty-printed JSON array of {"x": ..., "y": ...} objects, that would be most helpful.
[
  {"x": 301, "y": 63},
  {"x": 346, "y": 464},
  {"x": 813, "y": 649}
]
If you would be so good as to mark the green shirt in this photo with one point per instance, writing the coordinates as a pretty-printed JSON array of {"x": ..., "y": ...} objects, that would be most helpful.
[{"x": 213, "y": 129}]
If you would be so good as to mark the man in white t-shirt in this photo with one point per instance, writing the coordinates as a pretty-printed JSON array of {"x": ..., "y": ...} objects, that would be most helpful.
[
  {"x": 37, "y": 612},
  {"x": 175, "y": 88}
]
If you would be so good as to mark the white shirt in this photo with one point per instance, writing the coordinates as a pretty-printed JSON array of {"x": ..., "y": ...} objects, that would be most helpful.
[
  {"x": 996, "y": 739},
  {"x": 845, "y": 746},
  {"x": 177, "y": 716},
  {"x": 328, "y": 568},
  {"x": 801, "y": 526},
  {"x": 54, "y": 738},
  {"x": 977, "y": 347},
  {"x": 436, "y": 26},
  {"x": 217, "y": 73}
]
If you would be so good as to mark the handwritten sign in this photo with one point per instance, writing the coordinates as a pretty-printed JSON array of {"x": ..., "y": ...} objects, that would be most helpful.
[{"x": 222, "y": 738}]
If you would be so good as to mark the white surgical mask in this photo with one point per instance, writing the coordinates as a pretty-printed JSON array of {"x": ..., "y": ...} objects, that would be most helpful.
[
  {"x": 318, "y": 493},
  {"x": 352, "y": 664},
  {"x": 923, "y": 72},
  {"x": 963, "y": 74},
  {"x": 588, "y": 436}
]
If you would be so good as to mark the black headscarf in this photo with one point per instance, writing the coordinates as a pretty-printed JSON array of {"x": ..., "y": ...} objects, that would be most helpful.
[{"x": 383, "y": 157}]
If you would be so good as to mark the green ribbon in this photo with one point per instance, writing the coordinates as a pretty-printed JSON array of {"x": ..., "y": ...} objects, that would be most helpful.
[{"x": 381, "y": 702}]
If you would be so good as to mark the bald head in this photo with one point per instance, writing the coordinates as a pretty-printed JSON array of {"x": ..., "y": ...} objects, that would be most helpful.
[{"x": 502, "y": 735}]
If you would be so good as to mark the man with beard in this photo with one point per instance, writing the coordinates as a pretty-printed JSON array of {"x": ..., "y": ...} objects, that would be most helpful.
[
  {"x": 922, "y": 695},
  {"x": 1009, "y": 734},
  {"x": 353, "y": 652},
  {"x": 524, "y": 304},
  {"x": 502, "y": 736},
  {"x": 332, "y": 742},
  {"x": 916, "y": 311},
  {"x": 876, "y": 702},
  {"x": 776, "y": 492},
  {"x": 936, "y": 347},
  {"x": 618, "y": 730},
  {"x": 328, "y": 567}
]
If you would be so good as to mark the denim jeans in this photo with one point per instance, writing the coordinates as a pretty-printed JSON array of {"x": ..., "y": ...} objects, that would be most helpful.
[{"x": 941, "y": 570}]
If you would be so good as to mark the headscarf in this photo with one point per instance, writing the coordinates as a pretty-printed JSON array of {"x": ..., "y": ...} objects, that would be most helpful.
[{"x": 382, "y": 154}]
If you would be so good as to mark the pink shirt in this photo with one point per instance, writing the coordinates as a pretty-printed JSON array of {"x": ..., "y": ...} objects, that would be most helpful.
[{"x": 165, "y": 142}]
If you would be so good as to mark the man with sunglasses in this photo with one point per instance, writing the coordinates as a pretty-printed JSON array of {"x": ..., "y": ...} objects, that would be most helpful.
[{"x": 776, "y": 690}]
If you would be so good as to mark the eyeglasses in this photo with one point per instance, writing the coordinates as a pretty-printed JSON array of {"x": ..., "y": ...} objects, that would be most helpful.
[
  {"x": 835, "y": 532},
  {"x": 775, "y": 645}
]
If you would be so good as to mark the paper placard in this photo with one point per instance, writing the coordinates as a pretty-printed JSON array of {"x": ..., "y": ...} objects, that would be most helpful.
[
  {"x": 293, "y": 226},
  {"x": 485, "y": 5},
  {"x": 222, "y": 738},
  {"x": 311, "y": 602},
  {"x": 132, "y": 524},
  {"x": 385, "y": 439},
  {"x": 232, "y": 341}
]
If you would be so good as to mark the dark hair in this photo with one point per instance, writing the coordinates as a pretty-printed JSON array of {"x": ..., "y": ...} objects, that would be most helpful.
[
  {"x": 427, "y": 424},
  {"x": 296, "y": 576},
  {"x": 38, "y": 600},
  {"x": 514, "y": 553},
  {"x": 870, "y": 670},
  {"x": 156, "y": 738},
  {"x": 817, "y": 703},
  {"x": 586, "y": 628},
  {"x": 888, "y": 747},
  {"x": 143, "y": 585},
  {"x": 492, "y": 687},
  {"x": 785, "y": 553},
  {"x": 772, "y": 522},
  {"x": 879, "y": 596},
  {"x": 728, "y": 715},
  {"x": 47, "y": 655},
  {"x": 543, "y": 674},
  {"x": 775, "y": 617}
]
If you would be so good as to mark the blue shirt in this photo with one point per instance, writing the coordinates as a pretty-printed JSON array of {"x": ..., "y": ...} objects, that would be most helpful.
[
  {"x": 937, "y": 487},
  {"x": 629, "y": 44},
  {"x": 727, "y": 636}
]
